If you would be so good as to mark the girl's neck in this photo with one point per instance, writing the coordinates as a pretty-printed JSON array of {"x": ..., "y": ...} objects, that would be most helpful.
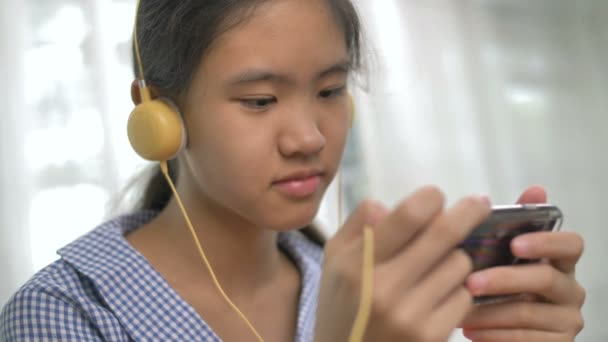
[{"x": 243, "y": 257}]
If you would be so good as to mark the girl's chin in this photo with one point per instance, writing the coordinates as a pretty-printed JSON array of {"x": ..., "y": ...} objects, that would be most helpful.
[
  {"x": 288, "y": 226},
  {"x": 287, "y": 223},
  {"x": 282, "y": 218}
]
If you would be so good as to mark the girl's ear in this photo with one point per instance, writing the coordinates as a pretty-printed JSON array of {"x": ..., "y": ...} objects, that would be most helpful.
[{"x": 136, "y": 96}]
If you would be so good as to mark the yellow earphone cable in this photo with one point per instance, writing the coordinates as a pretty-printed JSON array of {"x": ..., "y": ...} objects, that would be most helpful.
[
  {"x": 340, "y": 220},
  {"x": 165, "y": 170},
  {"x": 367, "y": 287},
  {"x": 143, "y": 88},
  {"x": 367, "y": 275}
]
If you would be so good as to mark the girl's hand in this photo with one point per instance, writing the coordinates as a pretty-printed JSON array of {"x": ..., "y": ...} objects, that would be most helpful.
[
  {"x": 552, "y": 312},
  {"x": 419, "y": 276}
]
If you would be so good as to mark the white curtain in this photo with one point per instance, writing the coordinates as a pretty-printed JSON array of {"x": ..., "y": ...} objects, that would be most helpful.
[
  {"x": 476, "y": 96},
  {"x": 63, "y": 143},
  {"x": 15, "y": 250}
]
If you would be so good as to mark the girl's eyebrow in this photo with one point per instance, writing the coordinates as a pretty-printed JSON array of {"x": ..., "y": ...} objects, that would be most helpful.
[{"x": 258, "y": 75}]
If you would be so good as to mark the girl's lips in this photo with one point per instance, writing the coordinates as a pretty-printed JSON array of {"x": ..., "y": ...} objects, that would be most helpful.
[{"x": 299, "y": 187}]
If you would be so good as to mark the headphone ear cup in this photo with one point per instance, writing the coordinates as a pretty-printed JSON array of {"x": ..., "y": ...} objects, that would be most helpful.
[{"x": 156, "y": 130}]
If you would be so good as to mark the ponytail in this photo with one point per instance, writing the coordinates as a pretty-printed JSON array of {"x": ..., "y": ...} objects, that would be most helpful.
[{"x": 157, "y": 193}]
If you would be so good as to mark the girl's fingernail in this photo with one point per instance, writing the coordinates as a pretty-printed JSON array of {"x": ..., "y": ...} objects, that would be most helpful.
[
  {"x": 521, "y": 245},
  {"x": 485, "y": 199},
  {"x": 476, "y": 284},
  {"x": 468, "y": 334}
]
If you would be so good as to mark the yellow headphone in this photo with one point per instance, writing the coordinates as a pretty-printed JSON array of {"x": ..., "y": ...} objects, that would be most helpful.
[{"x": 155, "y": 128}]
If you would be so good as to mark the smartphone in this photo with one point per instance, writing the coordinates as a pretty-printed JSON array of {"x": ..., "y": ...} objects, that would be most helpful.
[{"x": 489, "y": 245}]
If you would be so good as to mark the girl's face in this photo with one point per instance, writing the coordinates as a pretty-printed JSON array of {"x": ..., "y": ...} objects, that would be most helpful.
[{"x": 268, "y": 114}]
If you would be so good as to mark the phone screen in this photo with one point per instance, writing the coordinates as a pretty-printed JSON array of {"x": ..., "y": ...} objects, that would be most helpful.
[{"x": 489, "y": 245}]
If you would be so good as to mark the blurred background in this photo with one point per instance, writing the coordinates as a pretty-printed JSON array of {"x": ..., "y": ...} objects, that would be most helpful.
[{"x": 475, "y": 96}]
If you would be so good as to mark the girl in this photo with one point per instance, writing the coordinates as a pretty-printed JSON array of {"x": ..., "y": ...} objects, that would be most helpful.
[{"x": 262, "y": 90}]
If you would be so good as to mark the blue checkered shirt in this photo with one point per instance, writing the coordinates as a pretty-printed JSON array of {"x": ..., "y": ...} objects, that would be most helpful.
[{"x": 102, "y": 289}]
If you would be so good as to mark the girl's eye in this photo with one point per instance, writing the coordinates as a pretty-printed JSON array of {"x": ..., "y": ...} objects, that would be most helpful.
[
  {"x": 332, "y": 92},
  {"x": 258, "y": 103}
]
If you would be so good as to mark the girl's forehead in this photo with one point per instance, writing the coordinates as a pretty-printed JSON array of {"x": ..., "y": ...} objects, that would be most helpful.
[
  {"x": 285, "y": 20},
  {"x": 282, "y": 34}
]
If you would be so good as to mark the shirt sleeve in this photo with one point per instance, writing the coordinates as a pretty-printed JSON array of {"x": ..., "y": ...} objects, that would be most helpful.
[{"x": 34, "y": 315}]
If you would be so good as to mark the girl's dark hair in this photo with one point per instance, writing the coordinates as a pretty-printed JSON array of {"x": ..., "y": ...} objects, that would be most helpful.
[{"x": 174, "y": 36}]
